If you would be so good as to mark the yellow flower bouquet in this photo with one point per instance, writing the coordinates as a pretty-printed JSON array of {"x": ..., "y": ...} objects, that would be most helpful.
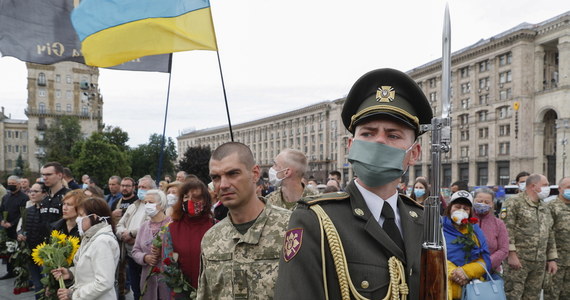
[{"x": 59, "y": 252}]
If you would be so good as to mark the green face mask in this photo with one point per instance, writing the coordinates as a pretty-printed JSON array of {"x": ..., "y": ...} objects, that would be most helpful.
[{"x": 376, "y": 164}]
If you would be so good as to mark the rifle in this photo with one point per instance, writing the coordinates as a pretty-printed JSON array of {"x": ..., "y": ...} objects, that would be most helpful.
[{"x": 433, "y": 272}]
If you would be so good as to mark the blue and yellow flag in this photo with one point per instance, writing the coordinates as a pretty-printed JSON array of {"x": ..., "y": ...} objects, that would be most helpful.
[{"x": 116, "y": 31}]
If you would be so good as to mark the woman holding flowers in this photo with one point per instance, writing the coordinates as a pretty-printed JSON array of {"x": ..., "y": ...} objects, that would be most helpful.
[
  {"x": 33, "y": 231},
  {"x": 145, "y": 252},
  {"x": 467, "y": 250},
  {"x": 93, "y": 273},
  {"x": 67, "y": 224},
  {"x": 192, "y": 217}
]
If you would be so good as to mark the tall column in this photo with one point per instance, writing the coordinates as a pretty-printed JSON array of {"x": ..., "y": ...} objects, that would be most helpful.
[
  {"x": 538, "y": 164},
  {"x": 564, "y": 61},
  {"x": 538, "y": 68}
]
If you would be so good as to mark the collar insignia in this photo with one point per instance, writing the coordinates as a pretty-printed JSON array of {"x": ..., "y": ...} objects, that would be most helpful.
[{"x": 385, "y": 94}]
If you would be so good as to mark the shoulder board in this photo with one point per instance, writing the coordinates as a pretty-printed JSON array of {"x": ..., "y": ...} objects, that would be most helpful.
[
  {"x": 336, "y": 196},
  {"x": 411, "y": 201}
]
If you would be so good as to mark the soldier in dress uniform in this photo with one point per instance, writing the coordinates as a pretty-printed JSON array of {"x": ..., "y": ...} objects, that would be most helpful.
[{"x": 348, "y": 245}]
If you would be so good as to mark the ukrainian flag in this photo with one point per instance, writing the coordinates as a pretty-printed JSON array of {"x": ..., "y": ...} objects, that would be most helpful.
[{"x": 116, "y": 31}]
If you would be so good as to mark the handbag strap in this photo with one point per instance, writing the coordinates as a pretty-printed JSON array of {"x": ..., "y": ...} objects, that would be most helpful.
[{"x": 488, "y": 274}]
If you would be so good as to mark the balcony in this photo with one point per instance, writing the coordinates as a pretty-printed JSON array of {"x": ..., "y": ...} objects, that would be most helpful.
[{"x": 54, "y": 113}]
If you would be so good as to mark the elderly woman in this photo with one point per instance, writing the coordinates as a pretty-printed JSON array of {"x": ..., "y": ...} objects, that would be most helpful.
[
  {"x": 93, "y": 273},
  {"x": 144, "y": 253},
  {"x": 171, "y": 191},
  {"x": 467, "y": 250},
  {"x": 67, "y": 223},
  {"x": 192, "y": 217},
  {"x": 494, "y": 229}
]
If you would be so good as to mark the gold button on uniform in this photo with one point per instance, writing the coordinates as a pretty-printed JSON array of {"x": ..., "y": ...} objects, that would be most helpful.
[
  {"x": 364, "y": 284},
  {"x": 359, "y": 211}
]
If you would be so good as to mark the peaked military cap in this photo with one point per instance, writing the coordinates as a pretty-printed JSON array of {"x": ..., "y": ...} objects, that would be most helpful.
[{"x": 386, "y": 93}]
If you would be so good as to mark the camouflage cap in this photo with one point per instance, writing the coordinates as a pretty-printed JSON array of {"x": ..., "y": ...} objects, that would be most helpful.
[{"x": 386, "y": 93}]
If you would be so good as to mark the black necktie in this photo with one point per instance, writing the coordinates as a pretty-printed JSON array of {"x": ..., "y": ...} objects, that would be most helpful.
[{"x": 390, "y": 225}]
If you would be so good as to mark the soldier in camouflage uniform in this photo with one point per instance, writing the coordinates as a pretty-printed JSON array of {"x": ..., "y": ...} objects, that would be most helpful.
[
  {"x": 240, "y": 254},
  {"x": 288, "y": 169},
  {"x": 531, "y": 240},
  {"x": 560, "y": 210}
]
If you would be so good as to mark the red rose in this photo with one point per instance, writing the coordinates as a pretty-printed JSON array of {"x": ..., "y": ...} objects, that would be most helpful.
[
  {"x": 155, "y": 269},
  {"x": 16, "y": 291},
  {"x": 473, "y": 220},
  {"x": 167, "y": 261},
  {"x": 24, "y": 289},
  {"x": 464, "y": 221}
]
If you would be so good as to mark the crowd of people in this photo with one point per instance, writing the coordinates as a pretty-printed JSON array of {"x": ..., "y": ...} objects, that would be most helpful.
[{"x": 243, "y": 237}]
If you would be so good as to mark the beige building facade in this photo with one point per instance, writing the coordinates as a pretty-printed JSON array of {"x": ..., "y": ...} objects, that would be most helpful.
[
  {"x": 510, "y": 113},
  {"x": 62, "y": 89}
]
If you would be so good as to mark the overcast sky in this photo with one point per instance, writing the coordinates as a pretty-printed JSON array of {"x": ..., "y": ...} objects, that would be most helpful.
[{"x": 282, "y": 55}]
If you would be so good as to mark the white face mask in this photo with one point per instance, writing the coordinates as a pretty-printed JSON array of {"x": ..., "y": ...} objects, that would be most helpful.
[
  {"x": 273, "y": 176},
  {"x": 79, "y": 221},
  {"x": 458, "y": 216},
  {"x": 171, "y": 198},
  {"x": 150, "y": 209},
  {"x": 522, "y": 186},
  {"x": 544, "y": 192}
]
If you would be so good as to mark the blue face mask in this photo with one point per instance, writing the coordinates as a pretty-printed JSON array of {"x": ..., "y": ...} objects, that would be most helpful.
[
  {"x": 566, "y": 194},
  {"x": 141, "y": 194},
  {"x": 419, "y": 192}
]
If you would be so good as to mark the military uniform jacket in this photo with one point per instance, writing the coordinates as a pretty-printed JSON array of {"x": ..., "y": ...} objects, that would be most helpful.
[
  {"x": 236, "y": 266},
  {"x": 276, "y": 197},
  {"x": 530, "y": 229},
  {"x": 367, "y": 248},
  {"x": 561, "y": 216}
]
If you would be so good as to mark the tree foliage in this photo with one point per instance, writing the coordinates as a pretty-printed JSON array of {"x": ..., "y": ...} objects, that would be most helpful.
[
  {"x": 59, "y": 139},
  {"x": 196, "y": 161},
  {"x": 145, "y": 157},
  {"x": 117, "y": 137},
  {"x": 100, "y": 159}
]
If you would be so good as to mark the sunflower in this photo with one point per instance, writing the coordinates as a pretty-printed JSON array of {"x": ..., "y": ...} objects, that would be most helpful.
[
  {"x": 59, "y": 236},
  {"x": 36, "y": 254},
  {"x": 74, "y": 241}
]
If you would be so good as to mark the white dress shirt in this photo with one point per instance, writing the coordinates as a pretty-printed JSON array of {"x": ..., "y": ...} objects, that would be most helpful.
[{"x": 375, "y": 204}]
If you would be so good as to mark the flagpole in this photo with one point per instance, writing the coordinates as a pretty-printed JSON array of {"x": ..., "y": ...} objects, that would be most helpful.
[
  {"x": 222, "y": 76},
  {"x": 160, "y": 160}
]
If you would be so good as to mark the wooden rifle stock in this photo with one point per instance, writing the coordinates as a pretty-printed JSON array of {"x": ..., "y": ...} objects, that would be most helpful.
[{"x": 433, "y": 284}]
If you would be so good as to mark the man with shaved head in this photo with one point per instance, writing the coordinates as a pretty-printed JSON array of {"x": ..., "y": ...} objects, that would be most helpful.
[{"x": 286, "y": 175}]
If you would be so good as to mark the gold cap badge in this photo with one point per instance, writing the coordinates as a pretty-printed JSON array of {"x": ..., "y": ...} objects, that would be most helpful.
[{"x": 385, "y": 94}]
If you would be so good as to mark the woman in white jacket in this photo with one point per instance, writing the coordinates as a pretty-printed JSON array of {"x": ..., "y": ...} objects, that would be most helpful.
[{"x": 93, "y": 273}]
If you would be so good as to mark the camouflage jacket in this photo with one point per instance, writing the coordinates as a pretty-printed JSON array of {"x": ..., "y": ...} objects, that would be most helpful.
[
  {"x": 276, "y": 198},
  {"x": 561, "y": 215},
  {"x": 236, "y": 266},
  {"x": 529, "y": 226}
]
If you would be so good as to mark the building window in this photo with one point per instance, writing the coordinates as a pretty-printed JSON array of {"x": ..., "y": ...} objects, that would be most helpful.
[
  {"x": 466, "y": 88},
  {"x": 9, "y": 163},
  {"x": 484, "y": 83},
  {"x": 432, "y": 82},
  {"x": 483, "y": 150},
  {"x": 42, "y": 108},
  {"x": 17, "y": 148},
  {"x": 482, "y": 116},
  {"x": 464, "y": 72},
  {"x": 503, "y": 112},
  {"x": 484, "y": 99},
  {"x": 483, "y": 133},
  {"x": 505, "y": 59},
  {"x": 484, "y": 66},
  {"x": 482, "y": 174},
  {"x": 505, "y": 130},
  {"x": 58, "y": 107},
  {"x": 464, "y": 119},
  {"x": 9, "y": 148},
  {"x": 57, "y": 94},
  {"x": 57, "y": 78},
  {"x": 464, "y": 135},
  {"x": 24, "y": 149},
  {"x": 466, "y": 103},
  {"x": 504, "y": 148},
  {"x": 505, "y": 77},
  {"x": 42, "y": 93},
  {"x": 68, "y": 79},
  {"x": 68, "y": 109},
  {"x": 433, "y": 96},
  {"x": 464, "y": 151},
  {"x": 68, "y": 94},
  {"x": 505, "y": 94},
  {"x": 42, "y": 79},
  {"x": 84, "y": 110}
]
